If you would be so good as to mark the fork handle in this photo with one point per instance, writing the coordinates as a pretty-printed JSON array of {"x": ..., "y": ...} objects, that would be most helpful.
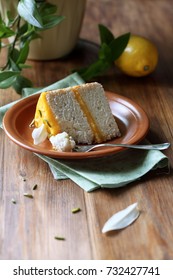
[{"x": 162, "y": 146}]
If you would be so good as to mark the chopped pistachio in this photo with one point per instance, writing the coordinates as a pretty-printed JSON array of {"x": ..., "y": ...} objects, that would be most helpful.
[
  {"x": 40, "y": 112},
  {"x": 13, "y": 201},
  {"x": 35, "y": 187},
  {"x": 59, "y": 238},
  {"x": 28, "y": 195},
  {"x": 46, "y": 121},
  {"x": 75, "y": 210}
]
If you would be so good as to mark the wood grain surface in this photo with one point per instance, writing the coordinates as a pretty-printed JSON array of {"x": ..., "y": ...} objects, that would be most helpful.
[{"x": 28, "y": 228}]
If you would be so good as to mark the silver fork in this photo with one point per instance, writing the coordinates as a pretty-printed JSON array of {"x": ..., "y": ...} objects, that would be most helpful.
[{"x": 88, "y": 148}]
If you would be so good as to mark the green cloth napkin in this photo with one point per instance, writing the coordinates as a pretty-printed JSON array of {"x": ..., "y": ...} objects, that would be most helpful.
[{"x": 108, "y": 172}]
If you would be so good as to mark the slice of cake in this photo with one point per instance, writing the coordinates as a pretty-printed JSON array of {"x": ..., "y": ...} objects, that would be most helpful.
[{"x": 82, "y": 111}]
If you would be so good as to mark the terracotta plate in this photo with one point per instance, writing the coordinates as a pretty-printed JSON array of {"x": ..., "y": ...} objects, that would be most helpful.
[{"x": 132, "y": 121}]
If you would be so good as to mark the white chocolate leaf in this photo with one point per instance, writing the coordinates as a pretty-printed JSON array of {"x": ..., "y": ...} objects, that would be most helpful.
[
  {"x": 39, "y": 134},
  {"x": 122, "y": 218}
]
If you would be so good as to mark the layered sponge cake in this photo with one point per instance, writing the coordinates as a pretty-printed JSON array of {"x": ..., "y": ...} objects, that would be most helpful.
[{"x": 81, "y": 111}]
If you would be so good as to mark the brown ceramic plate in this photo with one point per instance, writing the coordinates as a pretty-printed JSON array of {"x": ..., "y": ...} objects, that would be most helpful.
[{"x": 132, "y": 121}]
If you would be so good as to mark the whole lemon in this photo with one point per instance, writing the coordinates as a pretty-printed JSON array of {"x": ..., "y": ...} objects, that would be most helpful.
[{"x": 139, "y": 58}]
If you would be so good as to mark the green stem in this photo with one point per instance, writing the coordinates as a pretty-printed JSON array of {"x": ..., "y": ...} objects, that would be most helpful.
[
  {"x": 16, "y": 36},
  {"x": 11, "y": 46},
  {"x": 14, "y": 21}
]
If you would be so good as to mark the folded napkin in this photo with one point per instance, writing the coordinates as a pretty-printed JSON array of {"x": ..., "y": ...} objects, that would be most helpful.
[{"x": 108, "y": 172}]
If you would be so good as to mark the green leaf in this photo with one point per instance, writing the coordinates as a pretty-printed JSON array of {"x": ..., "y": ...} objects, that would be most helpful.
[
  {"x": 8, "y": 82},
  {"x": 47, "y": 12},
  {"x": 23, "y": 29},
  {"x": 110, "y": 49},
  {"x": 105, "y": 53},
  {"x": 29, "y": 34},
  {"x": 8, "y": 74},
  {"x": 20, "y": 83},
  {"x": 5, "y": 31},
  {"x": 51, "y": 21},
  {"x": 106, "y": 35},
  {"x": 118, "y": 45},
  {"x": 13, "y": 66},
  {"x": 27, "y": 9},
  {"x": 14, "y": 54},
  {"x": 10, "y": 18},
  {"x": 95, "y": 69},
  {"x": 7, "y": 78},
  {"x": 47, "y": 9},
  {"x": 21, "y": 65},
  {"x": 23, "y": 54}
]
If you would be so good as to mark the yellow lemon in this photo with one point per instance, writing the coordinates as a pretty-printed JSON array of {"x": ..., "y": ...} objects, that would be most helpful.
[{"x": 139, "y": 58}]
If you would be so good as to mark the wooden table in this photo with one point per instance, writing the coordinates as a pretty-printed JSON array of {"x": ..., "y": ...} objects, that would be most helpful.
[{"x": 29, "y": 226}]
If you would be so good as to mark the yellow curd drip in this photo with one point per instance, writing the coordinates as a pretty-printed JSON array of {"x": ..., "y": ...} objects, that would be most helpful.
[
  {"x": 95, "y": 129},
  {"x": 44, "y": 115}
]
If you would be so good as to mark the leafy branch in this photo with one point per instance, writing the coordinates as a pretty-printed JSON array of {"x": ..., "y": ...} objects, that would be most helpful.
[
  {"x": 32, "y": 16},
  {"x": 110, "y": 49}
]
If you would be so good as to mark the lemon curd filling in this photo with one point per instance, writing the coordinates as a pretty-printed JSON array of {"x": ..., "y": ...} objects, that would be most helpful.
[
  {"x": 96, "y": 131},
  {"x": 45, "y": 115}
]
